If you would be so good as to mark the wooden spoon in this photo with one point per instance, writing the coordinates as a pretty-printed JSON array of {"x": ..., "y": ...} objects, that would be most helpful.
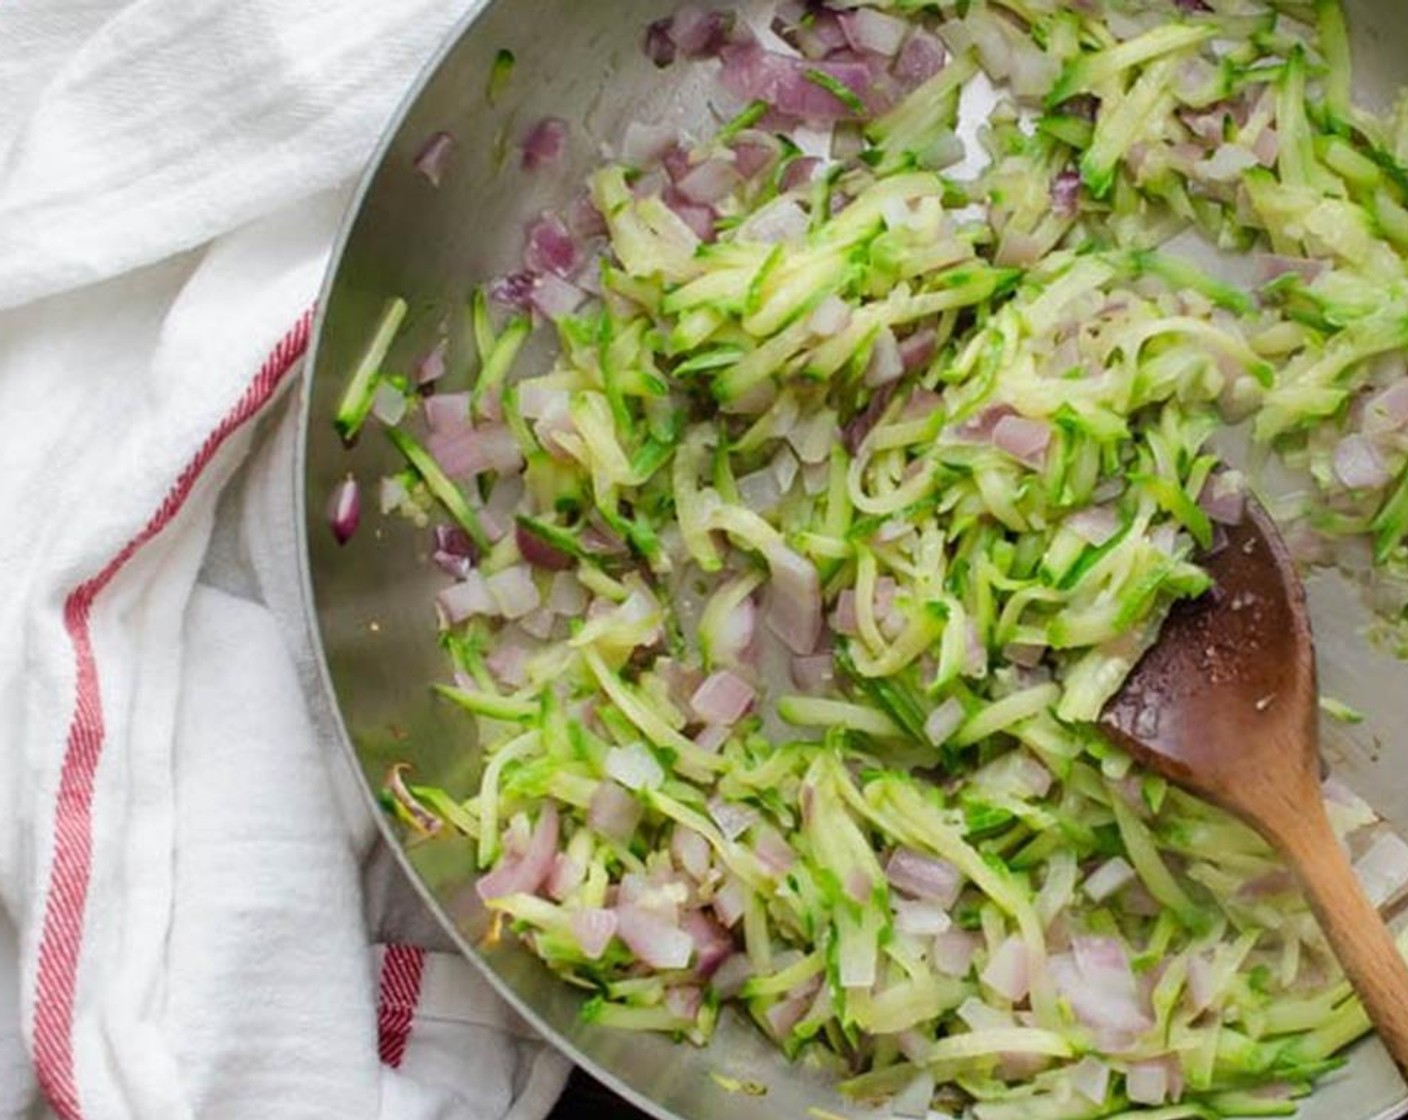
[{"x": 1225, "y": 705}]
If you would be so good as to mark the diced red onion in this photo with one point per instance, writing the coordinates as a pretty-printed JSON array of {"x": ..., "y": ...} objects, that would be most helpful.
[
  {"x": 732, "y": 818},
  {"x": 868, "y": 30},
  {"x": 1108, "y": 879},
  {"x": 584, "y": 219},
  {"x": 760, "y": 491},
  {"x": 730, "y": 900},
  {"x": 345, "y": 509},
  {"x": 799, "y": 172},
  {"x": 699, "y": 218},
  {"x": 466, "y": 599},
  {"x": 1388, "y": 412},
  {"x": 653, "y": 940},
  {"x": 954, "y": 951},
  {"x": 567, "y": 875},
  {"x": 920, "y": 58},
  {"x": 1100, "y": 985},
  {"x": 917, "y": 349},
  {"x": 712, "y": 738},
  {"x": 508, "y": 662},
  {"x": 815, "y": 673},
  {"x": 794, "y": 600},
  {"x": 684, "y": 1001},
  {"x": 1147, "y": 1083},
  {"x": 530, "y": 871},
  {"x": 785, "y": 1014},
  {"x": 1018, "y": 249},
  {"x": 555, "y": 298},
  {"x": 731, "y": 975},
  {"x": 613, "y": 812},
  {"x": 831, "y": 316},
  {"x": 1023, "y": 439},
  {"x": 709, "y": 182},
  {"x": 1224, "y": 497},
  {"x": 434, "y": 158},
  {"x": 979, "y": 1016},
  {"x": 1065, "y": 193},
  {"x": 723, "y": 698},
  {"x": 389, "y": 404},
  {"x": 1228, "y": 164},
  {"x": 812, "y": 438},
  {"x": 453, "y": 550},
  {"x": 1095, "y": 524},
  {"x": 934, "y": 880},
  {"x": 544, "y": 144},
  {"x": 431, "y": 368},
  {"x": 448, "y": 413},
  {"x": 886, "y": 362},
  {"x": 593, "y": 930},
  {"x": 1358, "y": 464},
  {"x": 712, "y": 943},
  {"x": 757, "y": 74},
  {"x": 1201, "y": 983},
  {"x": 751, "y": 157},
  {"x": 635, "y": 767},
  {"x": 775, "y": 853},
  {"x": 658, "y": 46},
  {"x": 1090, "y": 1077},
  {"x": 691, "y": 851},
  {"x": 700, "y": 32},
  {"x": 537, "y": 400},
  {"x": 392, "y": 495},
  {"x": 1267, "y": 147},
  {"x": 943, "y": 721},
  {"x": 550, "y": 247},
  {"x": 677, "y": 161},
  {"x": 818, "y": 32},
  {"x": 474, "y": 451},
  {"x": 645, "y": 145},
  {"x": 539, "y": 553},
  {"x": 921, "y": 919},
  {"x": 1269, "y": 885},
  {"x": 1008, "y": 972}
]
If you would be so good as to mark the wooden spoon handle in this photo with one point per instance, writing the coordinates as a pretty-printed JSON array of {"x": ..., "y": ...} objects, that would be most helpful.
[{"x": 1357, "y": 933}]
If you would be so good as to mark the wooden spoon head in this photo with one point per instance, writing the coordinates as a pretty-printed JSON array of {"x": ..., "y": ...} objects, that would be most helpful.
[{"x": 1225, "y": 703}]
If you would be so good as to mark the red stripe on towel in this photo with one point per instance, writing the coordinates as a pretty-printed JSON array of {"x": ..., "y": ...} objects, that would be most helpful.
[
  {"x": 62, "y": 936},
  {"x": 401, "y": 970}
]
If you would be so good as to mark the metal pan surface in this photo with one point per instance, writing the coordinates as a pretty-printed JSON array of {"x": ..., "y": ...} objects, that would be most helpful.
[{"x": 368, "y": 602}]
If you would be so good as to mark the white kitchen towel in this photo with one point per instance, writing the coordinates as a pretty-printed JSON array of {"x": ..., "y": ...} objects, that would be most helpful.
[{"x": 186, "y": 927}]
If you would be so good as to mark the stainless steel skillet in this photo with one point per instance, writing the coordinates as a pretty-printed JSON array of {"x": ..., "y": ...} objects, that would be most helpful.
[{"x": 368, "y": 601}]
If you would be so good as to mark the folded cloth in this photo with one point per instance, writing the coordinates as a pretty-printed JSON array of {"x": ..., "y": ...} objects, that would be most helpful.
[{"x": 194, "y": 919}]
